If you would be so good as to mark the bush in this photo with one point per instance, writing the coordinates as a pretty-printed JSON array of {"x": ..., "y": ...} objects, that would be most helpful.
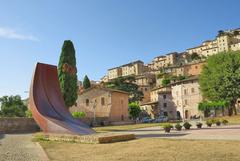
[
  {"x": 178, "y": 127},
  {"x": 217, "y": 122},
  {"x": 187, "y": 125},
  {"x": 209, "y": 122},
  {"x": 28, "y": 114},
  {"x": 225, "y": 122},
  {"x": 199, "y": 125},
  {"x": 167, "y": 127},
  {"x": 78, "y": 114}
]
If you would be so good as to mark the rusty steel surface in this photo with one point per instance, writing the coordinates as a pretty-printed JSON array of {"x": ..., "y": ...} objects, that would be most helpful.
[{"x": 47, "y": 104}]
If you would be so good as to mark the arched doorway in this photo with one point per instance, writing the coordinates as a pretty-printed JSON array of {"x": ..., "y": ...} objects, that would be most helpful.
[
  {"x": 186, "y": 114},
  {"x": 178, "y": 115}
]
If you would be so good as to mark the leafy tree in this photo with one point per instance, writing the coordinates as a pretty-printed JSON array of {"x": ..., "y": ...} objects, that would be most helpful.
[
  {"x": 67, "y": 73},
  {"x": 220, "y": 79},
  {"x": 134, "y": 110},
  {"x": 86, "y": 82},
  {"x": 12, "y": 106},
  {"x": 207, "y": 106},
  {"x": 127, "y": 84}
]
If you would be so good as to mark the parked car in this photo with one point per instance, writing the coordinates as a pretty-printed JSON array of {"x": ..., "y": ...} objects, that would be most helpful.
[
  {"x": 161, "y": 119},
  {"x": 146, "y": 120}
]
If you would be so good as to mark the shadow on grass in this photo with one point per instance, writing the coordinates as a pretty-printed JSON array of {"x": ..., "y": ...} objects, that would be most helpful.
[{"x": 159, "y": 135}]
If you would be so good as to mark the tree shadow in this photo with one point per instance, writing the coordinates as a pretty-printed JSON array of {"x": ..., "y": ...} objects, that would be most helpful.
[{"x": 2, "y": 136}]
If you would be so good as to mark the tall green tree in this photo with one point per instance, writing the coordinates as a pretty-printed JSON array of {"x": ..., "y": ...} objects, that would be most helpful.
[
  {"x": 134, "y": 110},
  {"x": 12, "y": 106},
  {"x": 86, "y": 82},
  {"x": 127, "y": 84},
  {"x": 67, "y": 73},
  {"x": 220, "y": 79}
]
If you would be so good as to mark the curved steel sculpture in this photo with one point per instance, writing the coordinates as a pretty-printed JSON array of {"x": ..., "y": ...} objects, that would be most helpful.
[{"x": 47, "y": 104}]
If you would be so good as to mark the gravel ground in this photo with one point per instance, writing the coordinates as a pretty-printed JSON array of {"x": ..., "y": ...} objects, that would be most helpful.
[{"x": 19, "y": 147}]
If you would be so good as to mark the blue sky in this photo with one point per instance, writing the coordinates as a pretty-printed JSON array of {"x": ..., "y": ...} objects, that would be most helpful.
[{"x": 106, "y": 33}]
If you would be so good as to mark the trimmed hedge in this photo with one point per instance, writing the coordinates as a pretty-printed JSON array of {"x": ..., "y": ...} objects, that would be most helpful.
[{"x": 115, "y": 138}]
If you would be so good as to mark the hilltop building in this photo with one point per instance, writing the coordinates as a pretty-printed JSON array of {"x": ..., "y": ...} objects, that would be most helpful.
[{"x": 225, "y": 41}]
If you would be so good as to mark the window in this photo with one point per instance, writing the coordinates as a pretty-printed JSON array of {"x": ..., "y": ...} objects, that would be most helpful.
[
  {"x": 185, "y": 102},
  {"x": 164, "y": 104},
  {"x": 146, "y": 89},
  {"x": 196, "y": 67},
  {"x": 185, "y": 91},
  {"x": 164, "y": 96},
  {"x": 102, "y": 101},
  {"x": 87, "y": 102},
  {"x": 192, "y": 90}
]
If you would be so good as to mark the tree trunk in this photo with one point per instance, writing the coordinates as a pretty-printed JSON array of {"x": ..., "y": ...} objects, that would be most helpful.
[{"x": 223, "y": 114}]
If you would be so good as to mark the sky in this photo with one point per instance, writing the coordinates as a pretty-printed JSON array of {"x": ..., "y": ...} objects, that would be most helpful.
[{"x": 105, "y": 33}]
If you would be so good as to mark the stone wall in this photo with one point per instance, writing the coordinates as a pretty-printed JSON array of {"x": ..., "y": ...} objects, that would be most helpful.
[{"x": 18, "y": 125}]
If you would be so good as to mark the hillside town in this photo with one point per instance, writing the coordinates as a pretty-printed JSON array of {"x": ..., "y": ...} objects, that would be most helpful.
[{"x": 169, "y": 83}]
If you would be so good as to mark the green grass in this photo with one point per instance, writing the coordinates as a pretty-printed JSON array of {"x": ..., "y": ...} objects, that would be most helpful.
[
  {"x": 233, "y": 120},
  {"x": 126, "y": 127}
]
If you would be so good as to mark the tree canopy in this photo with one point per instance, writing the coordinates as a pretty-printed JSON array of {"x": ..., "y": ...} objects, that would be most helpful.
[
  {"x": 127, "y": 84},
  {"x": 67, "y": 73},
  {"x": 12, "y": 106},
  {"x": 86, "y": 82},
  {"x": 220, "y": 78},
  {"x": 134, "y": 110}
]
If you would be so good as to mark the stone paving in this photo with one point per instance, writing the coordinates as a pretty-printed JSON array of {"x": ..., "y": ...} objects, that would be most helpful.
[
  {"x": 231, "y": 132},
  {"x": 19, "y": 147}
]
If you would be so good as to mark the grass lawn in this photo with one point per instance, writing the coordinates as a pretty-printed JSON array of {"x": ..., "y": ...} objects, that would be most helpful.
[
  {"x": 125, "y": 127},
  {"x": 148, "y": 149}
]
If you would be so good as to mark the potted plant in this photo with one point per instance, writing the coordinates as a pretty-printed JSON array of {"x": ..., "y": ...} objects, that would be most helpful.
[
  {"x": 218, "y": 122},
  {"x": 187, "y": 125},
  {"x": 224, "y": 122},
  {"x": 178, "y": 127},
  {"x": 167, "y": 127},
  {"x": 199, "y": 125},
  {"x": 209, "y": 122}
]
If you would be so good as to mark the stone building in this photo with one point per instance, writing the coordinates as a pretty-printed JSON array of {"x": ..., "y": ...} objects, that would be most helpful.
[
  {"x": 107, "y": 104},
  {"x": 166, "y": 105},
  {"x": 154, "y": 92},
  {"x": 163, "y": 61},
  {"x": 186, "y": 95},
  {"x": 225, "y": 41},
  {"x": 133, "y": 68}
]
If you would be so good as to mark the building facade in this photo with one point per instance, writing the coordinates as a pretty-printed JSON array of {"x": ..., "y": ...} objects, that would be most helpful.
[
  {"x": 186, "y": 95},
  {"x": 225, "y": 41},
  {"x": 106, "y": 104}
]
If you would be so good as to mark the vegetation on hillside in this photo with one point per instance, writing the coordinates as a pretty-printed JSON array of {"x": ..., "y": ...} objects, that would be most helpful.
[{"x": 127, "y": 84}]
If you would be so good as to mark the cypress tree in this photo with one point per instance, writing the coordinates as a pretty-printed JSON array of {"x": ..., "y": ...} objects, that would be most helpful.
[
  {"x": 67, "y": 73},
  {"x": 86, "y": 82}
]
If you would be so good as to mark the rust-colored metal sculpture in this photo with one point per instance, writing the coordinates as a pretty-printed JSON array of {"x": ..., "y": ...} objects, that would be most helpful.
[{"x": 47, "y": 104}]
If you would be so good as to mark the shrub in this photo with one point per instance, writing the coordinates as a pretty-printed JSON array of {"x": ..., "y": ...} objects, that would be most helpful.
[
  {"x": 217, "y": 122},
  {"x": 78, "y": 114},
  {"x": 178, "y": 127},
  {"x": 209, "y": 122},
  {"x": 28, "y": 114},
  {"x": 167, "y": 127},
  {"x": 225, "y": 122},
  {"x": 187, "y": 125},
  {"x": 199, "y": 125}
]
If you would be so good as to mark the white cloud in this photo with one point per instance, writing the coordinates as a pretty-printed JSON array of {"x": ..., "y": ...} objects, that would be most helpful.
[{"x": 13, "y": 34}]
